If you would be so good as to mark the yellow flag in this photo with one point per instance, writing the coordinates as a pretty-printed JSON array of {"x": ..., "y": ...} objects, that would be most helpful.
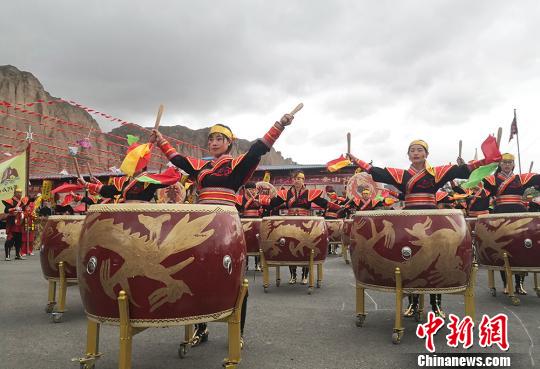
[
  {"x": 12, "y": 174},
  {"x": 133, "y": 158},
  {"x": 46, "y": 187}
]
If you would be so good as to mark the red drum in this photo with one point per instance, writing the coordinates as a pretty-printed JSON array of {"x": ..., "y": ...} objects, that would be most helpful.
[
  {"x": 432, "y": 248},
  {"x": 335, "y": 230},
  {"x": 59, "y": 242},
  {"x": 517, "y": 234},
  {"x": 178, "y": 263},
  {"x": 288, "y": 240},
  {"x": 252, "y": 227}
]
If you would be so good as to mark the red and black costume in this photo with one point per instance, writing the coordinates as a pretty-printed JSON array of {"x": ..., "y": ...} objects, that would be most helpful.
[
  {"x": 15, "y": 224},
  {"x": 126, "y": 188},
  {"x": 508, "y": 193},
  {"x": 508, "y": 190},
  {"x": 477, "y": 200},
  {"x": 219, "y": 179}
]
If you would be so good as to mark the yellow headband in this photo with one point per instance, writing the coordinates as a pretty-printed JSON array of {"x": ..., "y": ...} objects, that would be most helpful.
[
  {"x": 421, "y": 143},
  {"x": 300, "y": 175},
  {"x": 366, "y": 191},
  {"x": 507, "y": 156},
  {"x": 223, "y": 130},
  {"x": 17, "y": 189}
]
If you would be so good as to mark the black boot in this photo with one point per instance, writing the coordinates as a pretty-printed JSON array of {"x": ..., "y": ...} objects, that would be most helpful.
[
  {"x": 519, "y": 285},
  {"x": 412, "y": 309},
  {"x": 435, "y": 300},
  {"x": 292, "y": 270},
  {"x": 201, "y": 334}
]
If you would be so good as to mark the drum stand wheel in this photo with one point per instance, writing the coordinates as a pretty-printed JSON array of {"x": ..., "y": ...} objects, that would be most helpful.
[
  {"x": 310, "y": 290},
  {"x": 183, "y": 350},
  {"x": 397, "y": 335},
  {"x": 278, "y": 282},
  {"x": 493, "y": 291},
  {"x": 515, "y": 301},
  {"x": 57, "y": 317},
  {"x": 360, "y": 319}
]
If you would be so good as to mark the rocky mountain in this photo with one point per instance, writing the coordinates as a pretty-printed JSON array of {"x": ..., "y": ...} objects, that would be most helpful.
[{"x": 59, "y": 125}]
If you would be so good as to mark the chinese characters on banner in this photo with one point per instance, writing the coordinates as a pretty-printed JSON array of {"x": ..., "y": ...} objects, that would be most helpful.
[{"x": 491, "y": 331}]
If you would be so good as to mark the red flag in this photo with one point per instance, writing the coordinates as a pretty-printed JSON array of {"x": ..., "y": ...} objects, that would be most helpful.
[
  {"x": 337, "y": 164},
  {"x": 491, "y": 150},
  {"x": 513, "y": 127}
]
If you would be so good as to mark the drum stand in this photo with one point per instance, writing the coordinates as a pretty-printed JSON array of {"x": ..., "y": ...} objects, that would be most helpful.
[
  {"x": 266, "y": 276},
  {"x": 57, "y": 311},
  {"x": 399, "y": 330},
  {"x": 345, "y": 252},
  {"x": 127, "y": 331}
]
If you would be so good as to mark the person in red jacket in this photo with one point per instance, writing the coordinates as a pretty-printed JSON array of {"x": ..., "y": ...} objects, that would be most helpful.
[{"x": 14, "y": 209}]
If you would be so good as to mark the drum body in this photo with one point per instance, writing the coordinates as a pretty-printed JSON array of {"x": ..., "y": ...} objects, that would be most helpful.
[
  {"x": 252, "y": 228},
  {"x": 289, "y": 240},
  {"x": 432, "y": 248},
  {"x": 346, "y": 234},
  {"x": 517, "y": 234},
  {"x": 178, "y": 263},
  {"x": 335, "y": 230},
  {"x": 60, "y": 242}
]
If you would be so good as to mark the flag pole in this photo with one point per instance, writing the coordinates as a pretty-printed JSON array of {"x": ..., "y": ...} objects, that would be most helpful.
[
  {"x": 26, "y": 187},
  {"x": 517, "y": 137},
  {"x": 530, "y": 168}
]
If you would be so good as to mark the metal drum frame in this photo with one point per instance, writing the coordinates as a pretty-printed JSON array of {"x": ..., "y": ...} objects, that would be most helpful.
[
  {"x": 500, "y": 238},
  {"x": 397, "y": 287},
  {"x": 56, "y": 302}
]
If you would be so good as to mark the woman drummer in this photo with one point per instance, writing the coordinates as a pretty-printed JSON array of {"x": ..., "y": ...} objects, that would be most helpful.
[
  {"x": 419, "y": 185},
  {"x": 219, "y": 179},
  {"x": 298, "y": 200},
  {"x": 507, "y": 189}
]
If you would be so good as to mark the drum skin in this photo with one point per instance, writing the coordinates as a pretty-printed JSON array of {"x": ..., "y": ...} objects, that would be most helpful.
[
  {"x": 59, "y": 242},
  {"x": 517, "y": 234},
  {"x": 439, "y": 245},
  {"x": 178, "y": 263},
  {"x": 251, "y": 227},
  {"x": 288, "y": 240},
  {"x": 346, "y": 234},
  {"x": 335, "y": 230}
]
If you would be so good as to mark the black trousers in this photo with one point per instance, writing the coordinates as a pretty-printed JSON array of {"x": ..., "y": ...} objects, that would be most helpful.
[
  {"x": 434, "y": 299},
  {"x": 518, "y": 278},
  {"x": 305, "y": 271},
  {"x": 16, "y": 240}
]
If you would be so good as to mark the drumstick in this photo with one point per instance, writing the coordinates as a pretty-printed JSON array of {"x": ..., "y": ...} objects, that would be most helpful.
[
  {"x": 89, "y": 171},
  {"x": 348, "y": 142},
  {"x": 460, "y": 147},
  {"x": 297, "y": 109},
  {"x": 530, "y": 168},
  {"x": 77, "y": 169},
  {"x": 499, "y": 135},
  {"x": 159, "y": 114}
]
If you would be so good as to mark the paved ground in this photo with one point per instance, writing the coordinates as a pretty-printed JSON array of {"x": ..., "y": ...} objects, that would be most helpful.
[{"x": 286, "y": 328}]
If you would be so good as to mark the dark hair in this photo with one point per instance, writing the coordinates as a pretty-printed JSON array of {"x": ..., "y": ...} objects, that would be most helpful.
[
  {"x": 230, "y": 141},
  {"x": 297, "y": 172}
]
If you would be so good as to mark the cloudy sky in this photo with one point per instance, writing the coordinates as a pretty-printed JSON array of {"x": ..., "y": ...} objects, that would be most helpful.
[{"x": 386, "y": 71}]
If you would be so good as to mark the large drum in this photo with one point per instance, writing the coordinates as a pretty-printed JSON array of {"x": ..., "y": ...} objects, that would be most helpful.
[
  {"x": 346, "y": 239},
  {"x": 432, "y": 248},
  {"x": 178, "y": 263},
  {"x": 335, "y": 230},
  {"x": 252, "y": 227},
  {"x": 516, "y": 234},
  {"x": 289, "y": 240},
  {"x": 59, "y": 243}
]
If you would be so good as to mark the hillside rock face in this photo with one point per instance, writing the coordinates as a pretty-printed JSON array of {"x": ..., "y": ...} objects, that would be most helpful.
[{"x": 51, "y": 139}]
